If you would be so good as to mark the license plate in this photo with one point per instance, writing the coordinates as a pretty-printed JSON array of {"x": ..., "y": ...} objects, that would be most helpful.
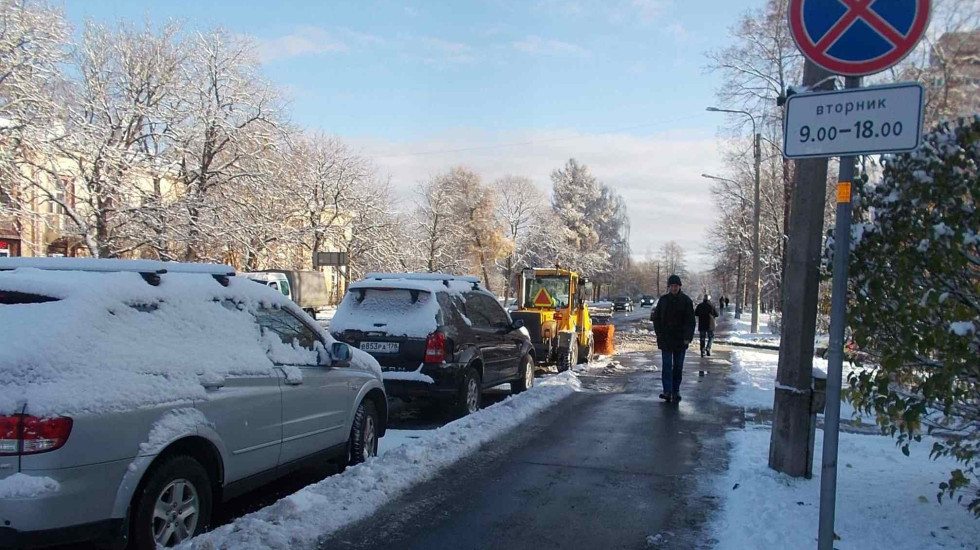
[{"x": 380, "y": 347}]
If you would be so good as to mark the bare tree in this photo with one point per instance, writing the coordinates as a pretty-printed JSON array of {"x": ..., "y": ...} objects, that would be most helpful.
[
  {"x": 230, "y": 123},
  {"x": 757, "y": 69},
  {"x": 945, "y": 62},
  {"x": 520, "y": 209},
  {"x": 440, "y": 236},
  {"x": 33, "y": 40},
  {"x": 672, "y": 258},
  {"x": 93, "y": 167}
]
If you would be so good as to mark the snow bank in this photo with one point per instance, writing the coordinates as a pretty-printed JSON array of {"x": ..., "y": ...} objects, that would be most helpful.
[
  {"x": 754, "y": 374},
  {"x": 740, "y": 331},
  {"x": 884, "y": 499},
  {"x": 320, "y": 509},
  {"x": 112, "y": 342},
  {"x": 24, "y": 486}
]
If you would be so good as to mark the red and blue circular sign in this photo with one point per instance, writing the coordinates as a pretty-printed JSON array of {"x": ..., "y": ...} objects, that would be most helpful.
[{"x": 857, "y": 37}]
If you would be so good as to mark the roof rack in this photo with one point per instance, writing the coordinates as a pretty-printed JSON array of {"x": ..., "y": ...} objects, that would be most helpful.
[
  {"x": 423, "y": 277},
  {"x": 150, "y": 270}
]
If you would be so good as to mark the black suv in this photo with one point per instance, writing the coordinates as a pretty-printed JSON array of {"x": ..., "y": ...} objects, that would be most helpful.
[
  {"x": 623, "y": 303},
  {"x": 436, "y": 336}
]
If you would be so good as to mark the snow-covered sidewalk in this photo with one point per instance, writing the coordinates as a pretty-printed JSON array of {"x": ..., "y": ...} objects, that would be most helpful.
[
  {"x": 739, "y": 331},
  {"x": 754, "y": 374},
  {"x": 322, "y": 508},
  {"x": 884, "y": 499}
]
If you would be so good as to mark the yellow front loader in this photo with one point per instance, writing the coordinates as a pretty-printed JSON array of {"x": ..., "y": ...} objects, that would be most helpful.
[{"x": 552, "y": 305}]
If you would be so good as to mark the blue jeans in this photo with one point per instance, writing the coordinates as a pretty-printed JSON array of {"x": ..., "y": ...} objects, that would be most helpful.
[
  {"x": 710, "y": 334},
  {"x": 673, "y": 368}
]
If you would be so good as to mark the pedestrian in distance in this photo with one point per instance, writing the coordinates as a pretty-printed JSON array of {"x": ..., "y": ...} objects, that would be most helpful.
[
  {"x": 706, "y": 314},
  {"x": 673, "y": 323}
]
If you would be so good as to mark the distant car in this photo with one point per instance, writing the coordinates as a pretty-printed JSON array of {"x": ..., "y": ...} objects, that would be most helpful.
[
  {"x": 140, "y": 393},
  {"x": 623, "y": 303},
  {"x": 647, "y": 301},
  {"x": 436, "y": 336}
]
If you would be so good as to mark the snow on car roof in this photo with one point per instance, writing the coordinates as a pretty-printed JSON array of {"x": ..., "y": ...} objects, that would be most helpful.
[
  {"x": 392, "y": 312},
  {"x": 114, "y": 265},
  {"x": 423, "y": 277},
  {"x": 111, "y": 341},
  {"x": 424, "y": 282}
]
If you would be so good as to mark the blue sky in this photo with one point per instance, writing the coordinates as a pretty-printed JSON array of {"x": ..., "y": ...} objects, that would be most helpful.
[{"x": 618, "y": 84}]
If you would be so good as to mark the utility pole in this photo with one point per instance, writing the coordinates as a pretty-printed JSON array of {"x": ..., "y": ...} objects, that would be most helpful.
[
  {"x": 789, "y": 448},
  {"x": 738, "y": 288},
  {"x": 658, "y": 279},
  {"x": 756, "y": 212},
  {"x": 757, "y": 251}
]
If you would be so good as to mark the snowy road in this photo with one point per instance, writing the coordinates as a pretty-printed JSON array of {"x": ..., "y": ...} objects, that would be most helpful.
[{"x": 610, "y": 467}]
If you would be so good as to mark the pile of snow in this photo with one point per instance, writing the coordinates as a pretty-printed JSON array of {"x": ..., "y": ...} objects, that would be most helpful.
[
  {"x": 320, "y": 509},
  {"x": 110, "y": 341},
  {"x": 754, "y": 374},
  {"x": 884, "y": 499},
  {"x": 24, "y": 486},
  {"x": 740, "y": 331}
]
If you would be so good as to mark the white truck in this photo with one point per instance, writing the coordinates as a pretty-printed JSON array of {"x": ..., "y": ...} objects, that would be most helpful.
[{"x": 308, "y": 289}]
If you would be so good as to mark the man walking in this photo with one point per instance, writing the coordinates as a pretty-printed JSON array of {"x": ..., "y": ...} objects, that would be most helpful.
[
  {"x": 673, "y": 322},
  {"x": 706, "y": 314}
]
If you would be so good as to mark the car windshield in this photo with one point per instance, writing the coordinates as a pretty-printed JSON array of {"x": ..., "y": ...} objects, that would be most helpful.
[{"x": 547, "y": 291}]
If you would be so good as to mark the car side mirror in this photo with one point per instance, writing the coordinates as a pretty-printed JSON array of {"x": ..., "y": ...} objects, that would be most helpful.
[
  {"x": 340, "y": 355},
  {"x": 516, "y": 324}
]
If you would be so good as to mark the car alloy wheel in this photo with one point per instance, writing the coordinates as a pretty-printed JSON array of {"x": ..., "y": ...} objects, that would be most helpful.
[
  {"x": 370, "y": 437},
  {"x": 176, "y": 513},
  {"x": 472, "y": 395}
]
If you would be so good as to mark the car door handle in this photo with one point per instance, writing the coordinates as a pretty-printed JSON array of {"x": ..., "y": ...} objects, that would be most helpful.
[{"x": 293, "y": 382}]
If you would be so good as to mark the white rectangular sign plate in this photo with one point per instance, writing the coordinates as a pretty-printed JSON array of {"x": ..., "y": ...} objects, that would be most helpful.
[{"x": 862, "y": 121}]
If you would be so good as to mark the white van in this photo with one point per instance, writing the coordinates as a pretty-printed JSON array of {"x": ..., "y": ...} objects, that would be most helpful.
[{"x": 277, "y": 281}]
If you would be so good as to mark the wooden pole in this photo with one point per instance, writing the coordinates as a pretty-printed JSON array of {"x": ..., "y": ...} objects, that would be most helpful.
[{"x": 789, "y": 447}]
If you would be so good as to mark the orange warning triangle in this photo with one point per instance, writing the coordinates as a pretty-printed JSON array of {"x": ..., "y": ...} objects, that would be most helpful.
[{"x": 542, "y": 298}]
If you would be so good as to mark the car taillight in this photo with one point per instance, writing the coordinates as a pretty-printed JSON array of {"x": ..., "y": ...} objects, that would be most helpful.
[
  {"x": 435, "y": 348},
  {"x": 21, "y": 434}
]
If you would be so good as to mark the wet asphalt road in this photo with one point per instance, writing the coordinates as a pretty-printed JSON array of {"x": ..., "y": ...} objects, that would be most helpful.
[{"x": 609, "y": 467}]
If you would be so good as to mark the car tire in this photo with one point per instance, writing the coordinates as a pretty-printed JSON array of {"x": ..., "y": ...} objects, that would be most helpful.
[
  {"x": 363, "y": 442},
  {"x": 470, "y": 394},
  {"x": 527, "y": 376},
  {"x": 181, "y": 486}
]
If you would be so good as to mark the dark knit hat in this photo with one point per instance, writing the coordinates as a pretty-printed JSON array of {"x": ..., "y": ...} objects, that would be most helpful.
[{"x": 673, "y": 280}]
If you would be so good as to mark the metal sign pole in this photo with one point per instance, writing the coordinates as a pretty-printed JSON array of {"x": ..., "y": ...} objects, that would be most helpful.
[{"x": 835, "y": 363}]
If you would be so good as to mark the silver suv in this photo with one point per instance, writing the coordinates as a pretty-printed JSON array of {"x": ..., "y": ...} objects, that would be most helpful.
[{"x": 135, "y": 395}]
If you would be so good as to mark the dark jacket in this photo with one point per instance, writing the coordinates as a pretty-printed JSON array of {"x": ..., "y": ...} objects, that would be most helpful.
[
  {"x": 673, "y": 321},
  {"x": 706, "y": 314}
]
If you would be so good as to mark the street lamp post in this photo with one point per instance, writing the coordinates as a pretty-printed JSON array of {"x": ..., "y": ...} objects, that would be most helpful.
[
  {"x": 738, "y": 277},
  {"x": 756, "y": 253}
]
